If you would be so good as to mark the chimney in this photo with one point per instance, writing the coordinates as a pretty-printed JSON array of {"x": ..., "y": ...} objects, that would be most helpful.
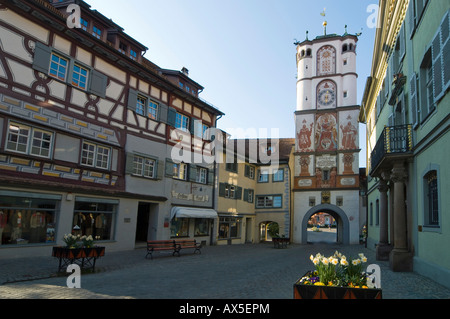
[{"x": 185, "y": 71}]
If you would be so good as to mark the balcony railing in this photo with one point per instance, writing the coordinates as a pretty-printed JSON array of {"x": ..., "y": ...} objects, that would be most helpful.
[{"x": 395, "y": 141}]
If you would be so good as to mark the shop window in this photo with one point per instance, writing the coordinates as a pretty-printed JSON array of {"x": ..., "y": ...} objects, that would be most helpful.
[
  {"x": 28, "y": 219},
  {"x": 94, "y": 218},
  {"x": 179, "y": 227},
  {"x": 202, "y": 226},
  {"x": 229, "y": 227}
]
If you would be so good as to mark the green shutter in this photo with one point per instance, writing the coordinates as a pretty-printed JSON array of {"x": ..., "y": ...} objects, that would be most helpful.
[
  {"x": 238, "y": 193},
  {"x": 163, "y": 110},
  {"x": 437, "y": 66},
  {"x": 246, "y": 195},
  {"x": 222, "y": 187},
  {"x": 413, "y": 97},
  {"x": 159, "y": 169},
  {"x": 42, "y": 54},
  {"x": 129, "y": 165},
  {"x": 98, "y": 84},
  {"x": 171, "y": 116},
  {"x": 169, "y": 168},
  {"x": 132, "y": 99},
  {"x": 192, "y": 172},
  {"x": 211, "y": 176}
]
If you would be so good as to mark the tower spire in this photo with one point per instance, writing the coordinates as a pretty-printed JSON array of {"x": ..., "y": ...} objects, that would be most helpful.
[{"x": 323, "y": 14}]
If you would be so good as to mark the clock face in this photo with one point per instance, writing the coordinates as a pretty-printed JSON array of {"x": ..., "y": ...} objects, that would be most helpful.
[
  {"x": 326, "y": 94},
  {"x": 327, "y": 97}
]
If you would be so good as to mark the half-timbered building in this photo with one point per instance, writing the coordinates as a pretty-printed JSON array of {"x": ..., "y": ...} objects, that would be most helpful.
[{"x": 88, "y": 126}]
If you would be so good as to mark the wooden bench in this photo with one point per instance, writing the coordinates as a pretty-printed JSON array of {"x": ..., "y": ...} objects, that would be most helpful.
[
  {"x": 159, "y": 245},
  {"x": 174, "y": 246},
  {"x": 186, "y": 244}
]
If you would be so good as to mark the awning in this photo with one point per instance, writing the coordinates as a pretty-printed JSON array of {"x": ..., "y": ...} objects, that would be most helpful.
[{"x": 192, "y": 212}]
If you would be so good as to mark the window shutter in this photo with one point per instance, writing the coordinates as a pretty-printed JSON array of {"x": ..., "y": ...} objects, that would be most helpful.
[
  {"x": 42, "y": 54},
  {"x": 192, "y": 125},
  {"x": 171, "y": 116},
  {"x": 445, "y": 33},
  {"x": 163, "y": 110},
  {"x": 247, "y": 171},
  {"x": 437, "y": 66},
  {"x": 413, "y": 97},
  {"x": 159, "y": 169},
  {"x": 169, "y": 168},
  {"x": 132, "y": 99},
  {"x": 238, "y": 193},
  {"x": 98, "y": 84},
  {"x": 412, "y": 18},
  {"x": 402, "y": 43},
  {"x": 192, "y": 173},
  {"x": 222, "y": 187},
  {"x": 129, "y": 165},
  {"x": 211, "y": 176},
  {"x": 246, "y": 195}
]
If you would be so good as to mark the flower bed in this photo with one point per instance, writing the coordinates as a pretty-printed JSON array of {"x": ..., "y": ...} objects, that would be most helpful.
[{"x": 337, "y": 277}]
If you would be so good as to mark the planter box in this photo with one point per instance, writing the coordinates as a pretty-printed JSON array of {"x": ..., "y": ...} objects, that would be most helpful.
[
  {"x": 84, "y": 257},
  {"x": 323, "y": 292}
]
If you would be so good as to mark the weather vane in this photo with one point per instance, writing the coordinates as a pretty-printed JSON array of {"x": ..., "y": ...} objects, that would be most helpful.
[{"x": 323, "y": 14}]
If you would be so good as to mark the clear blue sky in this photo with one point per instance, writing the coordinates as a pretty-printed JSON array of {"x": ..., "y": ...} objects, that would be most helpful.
[{"x": 242, "y": 51}]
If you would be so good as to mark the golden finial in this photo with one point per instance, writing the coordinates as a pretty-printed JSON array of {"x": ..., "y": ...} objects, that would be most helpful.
[{"x": 323, "y": 14}]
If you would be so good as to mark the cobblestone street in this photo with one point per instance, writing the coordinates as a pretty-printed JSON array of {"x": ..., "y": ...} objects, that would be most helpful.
[{"x": 255, "y": 271}]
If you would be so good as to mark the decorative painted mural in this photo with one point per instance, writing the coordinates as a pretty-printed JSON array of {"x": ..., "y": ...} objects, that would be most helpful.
[
  {"x": 348, "y": 130},
  {"x": 326, "y": 132},
  {"x": 305, "y": 137}
]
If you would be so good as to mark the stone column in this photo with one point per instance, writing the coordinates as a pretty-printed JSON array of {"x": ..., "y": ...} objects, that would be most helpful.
[
  {"x": 400, "y": 259},
  {"x": 383, "y": 247}
]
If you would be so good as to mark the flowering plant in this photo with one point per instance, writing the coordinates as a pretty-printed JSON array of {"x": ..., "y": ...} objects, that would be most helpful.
[
  {"x": 71, "y": 240},
  {"x": 337, "y": 271},
  {"x": 88, "y": 241}
]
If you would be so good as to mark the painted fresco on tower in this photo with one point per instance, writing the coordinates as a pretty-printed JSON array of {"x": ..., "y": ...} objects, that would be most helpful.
[
  {"x": 305, "y": 136},
  {"x": 326, "y": 60},
  {"x": 348, "y": 125},
  {"x": 326, "y": 132}
]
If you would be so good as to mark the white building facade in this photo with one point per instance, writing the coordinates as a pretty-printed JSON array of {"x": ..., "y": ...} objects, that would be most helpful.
[{"x": 326, "y": 177}]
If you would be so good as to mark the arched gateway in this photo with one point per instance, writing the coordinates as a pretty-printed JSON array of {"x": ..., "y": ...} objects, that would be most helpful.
[{"x": 343, "y": 224}]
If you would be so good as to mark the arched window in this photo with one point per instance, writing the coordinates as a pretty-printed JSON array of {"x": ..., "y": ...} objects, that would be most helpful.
[
  {"x": 326, "y": 60},
  {"x": 431, "y": 199},
  {"x": 344, "y": 48}
]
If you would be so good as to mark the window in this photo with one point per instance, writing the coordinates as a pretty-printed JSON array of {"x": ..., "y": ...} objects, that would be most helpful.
[
  {"x": 230, "y": 191},
  {"x": 153, "y": 110},
  {"x": 269, "y": 201},
  {"x": 96, "y": 32},
  {"x": 201, "y": 227},
  {"x": 58, "y": 67},
  {"x": 325, "y": 175},
  {"x": 278, "y": 176},
  {"x": 179, "y": 171},
  {"x": 182, "y": 122},
  {"x": 94, "y": 217},
  {"x": 41, "y": 142},
  {"x": 141, "y": 105},
  {"x": 28, "y": 140},
  {"x": 263, "y": 176},
  {"x": 431, "y": 199},
  {"x": 249, "y": 172},
  {"x": 249, "y": 194},
  {"x": 84, "y": 24},
  {"x": 95, "y": 155},
  {"x": 144, "y": 166},
  {"x": 229, "y": 227},
  {"x": 28, "y": 219},
  {"x": 202, "y": 175},
  {"x": 179, "y": 227},
  {"x": 122, "y": 48},
  {"x": 133, "y": 54},
  {"x": 232, "y": 167},
  {"x": 80, "y": 77}
]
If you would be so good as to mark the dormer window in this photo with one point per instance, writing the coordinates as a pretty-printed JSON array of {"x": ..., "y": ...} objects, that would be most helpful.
[
  {"x": 97, "y": 32},
  {"x": 84, "y": 24},
  {"x": 133, "y": 54},
  {"x": 122, "y": 48}
]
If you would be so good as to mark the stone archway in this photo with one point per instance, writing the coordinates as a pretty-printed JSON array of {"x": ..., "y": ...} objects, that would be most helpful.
[{"x": 343, "y": 224}]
